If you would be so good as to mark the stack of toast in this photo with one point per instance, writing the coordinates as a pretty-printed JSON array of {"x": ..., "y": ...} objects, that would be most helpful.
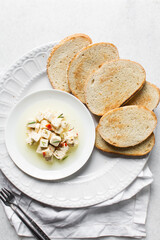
[{"x": 113, "y": 88}]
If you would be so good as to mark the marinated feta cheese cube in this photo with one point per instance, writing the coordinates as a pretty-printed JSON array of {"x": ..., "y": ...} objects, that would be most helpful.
[
  {"x": 31, "y": 123},
  {"x": 43, "y": 143},
  {"x": 61, "y": 152},
  {"x": 29, "y": 140},
  {"x": 51, "y": 148},
  {"x": 68, "y": 136},
  {"x": 45, "y": 114},
  {"x": 71, "y": 137},
  {"x": 45, "y": 133},
  {"x": 43, "y": 124},
  {"x": 72, "y": 132},
  {"x": 55, "y": 140},
  {"x": 29, "y": 131},
  {"x": 76, "y": 141},
  {"x": 56, "y": 122},
  {"x": 59, "y": 130},
  {"x": 64, "y": 124},
  {"x": 40, "y": 132},
  {"x": 39, "y": 117},
  {"x": 47, "y": 153},
  {"x": 39, "y": 149},
  {"x": 70, "y": 141},
  {"x": 37, "y": 127},
  {"x": 49, "y": 116},
  {"x": 35, "y": 136}
]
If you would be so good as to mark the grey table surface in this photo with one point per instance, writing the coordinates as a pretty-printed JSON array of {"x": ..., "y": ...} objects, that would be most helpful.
[{"x": 132, "y": 25}]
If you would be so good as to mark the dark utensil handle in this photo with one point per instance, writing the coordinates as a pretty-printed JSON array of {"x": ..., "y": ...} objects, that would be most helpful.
[{"x": 34, "y": 228}]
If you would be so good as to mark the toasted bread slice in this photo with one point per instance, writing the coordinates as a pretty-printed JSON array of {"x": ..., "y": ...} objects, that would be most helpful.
[
  {"x": 111, "y": 85},
  {"x": 127, "y": 126},
  {"x": 60, "y": 57},
  {"x": 87, "y": 60},
  {"x": 137, "y": 150},
  {"x": 148, "y": 96}
]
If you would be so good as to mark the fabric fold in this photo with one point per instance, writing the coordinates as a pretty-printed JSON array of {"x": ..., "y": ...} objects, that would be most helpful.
[{"x": 123, "y": 216}]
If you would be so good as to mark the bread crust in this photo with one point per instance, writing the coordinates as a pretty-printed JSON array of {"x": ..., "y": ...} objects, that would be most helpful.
[
  {"x": 140, "y": 87},
  {"x": 153, "y": 86},
  {"x": 117, "y": 151},
  {"x": 81, "y": 51},
  {"x": 68, "y": 38},
  {"x": 158, "y": 90},
  {"x": 63, "y": 41},
  {"x": 125, "y": 107}
]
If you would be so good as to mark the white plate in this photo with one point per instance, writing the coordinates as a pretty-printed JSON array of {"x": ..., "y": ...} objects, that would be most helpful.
[
  {"x": 15, "y": 136},
  {"x": 101, "y": 178}
]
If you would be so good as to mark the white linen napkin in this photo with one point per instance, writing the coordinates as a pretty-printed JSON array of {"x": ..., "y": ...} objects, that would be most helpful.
[{"x": 122, "y": 216}]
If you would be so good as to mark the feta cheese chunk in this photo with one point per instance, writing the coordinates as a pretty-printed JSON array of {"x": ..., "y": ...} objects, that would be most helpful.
[
  {"x": 43, "y": 143},
  {"x": 35, "y": 136},
  {"x": 31, "y": 123},
  {"x": 45, "y": 133},
  {"x": 61, "y": 152},
  {"x": 56, "y": 122},
  {"x": 39, "y": 117},
  {"x": 29, "y": 140},
  {"x": 39, "y": 149},
  {"x": 71, "y": 137},
  {"x": 29, "y": 131},
  {"x": 59, "y": 130},
  {"x": 64, "y": 124},
  {"x": 49, "y": 116},
  {"x": 55, "y": 140},
  {"x": 48, "y": 153},
  {"x": 51, "y": 148},
  {"x": 37, "y": 127},
  {"x": 43, "y": 124}
]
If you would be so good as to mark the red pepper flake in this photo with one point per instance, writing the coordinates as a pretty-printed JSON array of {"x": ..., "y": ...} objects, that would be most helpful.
[
  {"x": 62, "y": 144},
  {"x": 44, "y": 154},
  {"x": 49, "y": 126},
  {"x": 70, "y": 129},
  {"x": 77, "y": 134}
]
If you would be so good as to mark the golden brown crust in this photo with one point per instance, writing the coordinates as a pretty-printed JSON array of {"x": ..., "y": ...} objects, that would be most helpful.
[
  {"x": 59, "y": 45},
  {"x": 75, "y": 36},
  {"x": 145, "y": 100},
  {"x": 133, "y": 106},
  {"x": 158, "y": 90},
  {"x": 121, "y": 153},
  {"x": 82, "y": 50},
  {"x": 140, "y": 87}
]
